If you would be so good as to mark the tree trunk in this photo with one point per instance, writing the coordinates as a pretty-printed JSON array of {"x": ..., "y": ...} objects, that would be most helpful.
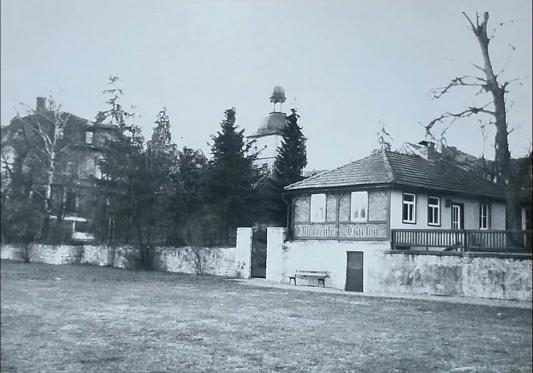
[{"x": 503, "y": 171}]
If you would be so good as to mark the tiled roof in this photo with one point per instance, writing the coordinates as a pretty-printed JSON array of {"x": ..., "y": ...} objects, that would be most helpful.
[{"x": 391, "y": 168}]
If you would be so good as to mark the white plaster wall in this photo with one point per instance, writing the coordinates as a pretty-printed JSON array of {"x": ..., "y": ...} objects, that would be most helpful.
[
  {"x": 274, "y": 259},
  {"x": 497, "y": 216},
  {"x": 10, "y": 252},
  {"x": 268, "y": 145},
  {"x": 243, "y": 252},
  {"x": 401, "y": 273},
  {"x": 457, "y": 275},
  {"x": 215, "y": 261},
  {"x": 330, "y": 256},
  {"x": 96, "y": 255},
  {"x": 232, "y": 261},
  {"x": 471, "y": 212}
]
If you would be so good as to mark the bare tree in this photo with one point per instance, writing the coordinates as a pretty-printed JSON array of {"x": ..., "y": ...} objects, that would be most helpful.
[
  {"x": 42, "y": 134},
  {"x": 199, "y": 232},
  {"x": 36, "y": 141},
  {"x": 384, "y": 138},
  {"x": 489, "y": 82}
]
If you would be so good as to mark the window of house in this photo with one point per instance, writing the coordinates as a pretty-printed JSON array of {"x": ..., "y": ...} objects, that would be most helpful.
[
  {"x": 484, "y": 216},
  {"x": 318, "y": 208},
  {"x": 97, "y": 171},
  {"x": 331, "y": 208},
  {"x": 344, "y": 207},
  {"x": 301, "y": 210},
  {"x": 89, "y": 137},
  {"x": 359, "y": 206},
  {"x": 71, "y": 202},
  {"x": 433, "y": 210},
  {"x": 409, "y": 208}
]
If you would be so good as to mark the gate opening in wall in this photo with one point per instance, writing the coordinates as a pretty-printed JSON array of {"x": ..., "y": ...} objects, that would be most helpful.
[
  {"x": 354, "y": 271},
  {"x": 259, "y": 252}
]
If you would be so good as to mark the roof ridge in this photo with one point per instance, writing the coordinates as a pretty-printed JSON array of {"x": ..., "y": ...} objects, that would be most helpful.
[
  {"x": 316, "y": 175},
  {"x": 388, "y": 166},
  {"x": 326, "y": 172}
]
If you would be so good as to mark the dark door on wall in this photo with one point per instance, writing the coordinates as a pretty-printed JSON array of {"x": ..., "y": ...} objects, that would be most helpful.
[
  {"x": 259, "y": 245},
  {"x": 354, "y": 271}
]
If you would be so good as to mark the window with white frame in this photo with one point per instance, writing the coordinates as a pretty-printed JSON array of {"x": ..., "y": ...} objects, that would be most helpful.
[
  {"x": 318, "y": 208},
  {"x": 433, "y": 210},
  {"x": 484, "y": 216},
  {"x": 359, "y": 206},
  {"x": 301, "y": 209},
  {"x": 89, "y": 137},
  {"x": 409, "y": 208}
]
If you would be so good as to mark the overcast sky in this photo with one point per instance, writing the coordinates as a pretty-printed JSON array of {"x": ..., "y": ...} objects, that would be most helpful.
[{"x": 347, "y": 64}]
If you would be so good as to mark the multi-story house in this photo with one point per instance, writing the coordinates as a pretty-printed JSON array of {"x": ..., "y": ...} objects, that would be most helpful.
[{"x": 78, "y": 146}]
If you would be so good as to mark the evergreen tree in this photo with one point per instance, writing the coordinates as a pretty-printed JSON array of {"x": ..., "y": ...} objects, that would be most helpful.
[
  {"x": 161, "y": 141},
  {"x": 115, "y": 114},
  {"x": 190, "y": 183},
  {"x": 288, "y": 168},
  {"x": 135, "y": 192},
  {"x": 292, "y": 155},
  {"x": 231, "y": 178}
]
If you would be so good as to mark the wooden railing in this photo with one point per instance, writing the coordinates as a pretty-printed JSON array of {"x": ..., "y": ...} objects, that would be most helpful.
[{"x": 462, "y": 240}]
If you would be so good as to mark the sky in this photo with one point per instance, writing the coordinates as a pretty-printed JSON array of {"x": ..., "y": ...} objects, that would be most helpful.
[{"x": 346, "y": 65}]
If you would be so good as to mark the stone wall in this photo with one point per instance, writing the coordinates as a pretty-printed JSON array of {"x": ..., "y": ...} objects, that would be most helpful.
[
  {"x": 456, "y": 274},
  {"x": 231, "y": 261},
  {"x": 386, "y": 272}
]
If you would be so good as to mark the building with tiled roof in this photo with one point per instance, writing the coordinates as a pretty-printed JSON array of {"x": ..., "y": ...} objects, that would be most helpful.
[
  {"x": 346, "y": 224},
  {"x": 408, "y": 170},
  {"x": 365, "y": 199}
]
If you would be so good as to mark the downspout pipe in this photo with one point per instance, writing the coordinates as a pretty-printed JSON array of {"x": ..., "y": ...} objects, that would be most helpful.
[{"x": 288, "y": 203}]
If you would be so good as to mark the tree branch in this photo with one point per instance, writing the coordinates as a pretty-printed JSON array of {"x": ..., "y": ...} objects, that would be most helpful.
[
  {"x": 471, "y": 110},
  {"x": 459, "y": 81}
]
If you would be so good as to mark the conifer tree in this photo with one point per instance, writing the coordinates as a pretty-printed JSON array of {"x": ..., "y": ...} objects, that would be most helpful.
[
  {"x": 231, "y": 178},
  {"x": 292, "y": 155},
  {"x": 288, "y": 168},
  {"x": 161, "y": 141}
]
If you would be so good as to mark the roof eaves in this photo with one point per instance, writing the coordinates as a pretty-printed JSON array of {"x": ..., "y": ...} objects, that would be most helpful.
[{"x": 309, "y": 178}]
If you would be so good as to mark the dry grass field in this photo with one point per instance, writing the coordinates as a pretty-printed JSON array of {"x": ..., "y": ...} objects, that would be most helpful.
[{"x": 92, "y": 319}]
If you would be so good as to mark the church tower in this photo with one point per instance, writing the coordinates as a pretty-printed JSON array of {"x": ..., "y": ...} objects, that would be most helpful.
[{"x": 268, "y": 136}]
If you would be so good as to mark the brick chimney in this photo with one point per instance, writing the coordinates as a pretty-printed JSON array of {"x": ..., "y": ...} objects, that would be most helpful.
[
  {"x": 41, "y": 105},
  {"x": 427, "y": 150}
]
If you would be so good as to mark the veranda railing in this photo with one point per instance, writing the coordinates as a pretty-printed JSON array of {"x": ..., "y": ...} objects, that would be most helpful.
[{"x": 462, "y": 240}]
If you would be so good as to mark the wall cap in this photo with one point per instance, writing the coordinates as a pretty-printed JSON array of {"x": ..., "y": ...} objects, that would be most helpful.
[{"x": 521, "y": 256}]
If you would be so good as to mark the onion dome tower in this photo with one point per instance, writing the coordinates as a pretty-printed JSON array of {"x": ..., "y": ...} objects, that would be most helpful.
[
  {"x": 278, "y": 96},
  {"x": 268, "y": 135}
]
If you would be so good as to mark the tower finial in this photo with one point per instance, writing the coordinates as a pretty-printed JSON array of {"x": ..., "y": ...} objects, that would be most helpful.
[{"x": 278, "y": 96}]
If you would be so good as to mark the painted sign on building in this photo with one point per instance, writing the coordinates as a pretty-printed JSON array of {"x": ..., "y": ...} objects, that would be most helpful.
[{"x": 362, "y": 231}]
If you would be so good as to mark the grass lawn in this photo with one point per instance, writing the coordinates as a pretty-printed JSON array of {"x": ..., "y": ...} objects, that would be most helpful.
[{"x": 92, "y": 319}]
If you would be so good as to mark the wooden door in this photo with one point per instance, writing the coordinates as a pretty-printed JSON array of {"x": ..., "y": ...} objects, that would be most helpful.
[
  {"x": 457, "y": 216},
  {"x": 354, "y": 271}
]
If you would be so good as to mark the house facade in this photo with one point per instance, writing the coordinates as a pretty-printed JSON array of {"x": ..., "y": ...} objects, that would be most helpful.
[
  {"x": 79, "y": 147},
  {"x": 345, "y": 220},
  {"x": 366, "y": 199}
]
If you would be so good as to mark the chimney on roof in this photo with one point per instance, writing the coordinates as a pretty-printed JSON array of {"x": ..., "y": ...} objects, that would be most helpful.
[
  {"x": 41, "y": 105},
  {"x": 427, "y": 150}
]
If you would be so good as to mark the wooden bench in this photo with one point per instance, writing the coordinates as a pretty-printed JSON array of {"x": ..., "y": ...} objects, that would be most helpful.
[{"x": 319, "y": 275}]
